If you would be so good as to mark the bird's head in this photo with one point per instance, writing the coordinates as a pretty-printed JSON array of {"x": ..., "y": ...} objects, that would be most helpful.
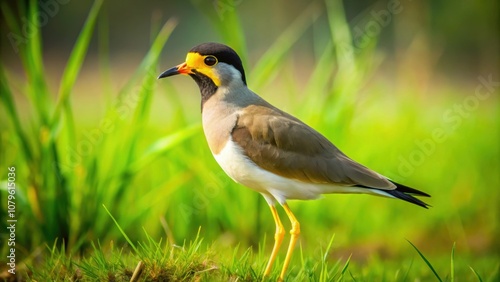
[{"x": 211, "y": 65}]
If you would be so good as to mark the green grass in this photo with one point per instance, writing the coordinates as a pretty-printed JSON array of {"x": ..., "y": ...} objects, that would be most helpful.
[
  {"x": 116, "y": 189},
  {"x": 162, "y": 261}
]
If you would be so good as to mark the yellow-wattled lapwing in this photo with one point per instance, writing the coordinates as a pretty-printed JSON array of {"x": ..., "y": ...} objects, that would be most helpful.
[{"x": 271, "y": 151}]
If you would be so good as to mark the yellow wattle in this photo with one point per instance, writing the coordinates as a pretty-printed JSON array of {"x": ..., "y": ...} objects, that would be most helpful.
[{"x": 196, "y": 61}]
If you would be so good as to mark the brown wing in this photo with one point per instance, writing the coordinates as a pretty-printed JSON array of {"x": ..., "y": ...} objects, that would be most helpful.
[{"x": 282, "y": 144}]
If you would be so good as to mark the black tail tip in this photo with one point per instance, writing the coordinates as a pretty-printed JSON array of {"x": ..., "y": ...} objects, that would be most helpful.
[{"x": 407, "y": 194}]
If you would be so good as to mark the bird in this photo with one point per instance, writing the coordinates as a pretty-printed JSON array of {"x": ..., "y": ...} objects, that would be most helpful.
[{"x": 269, "y": 150}]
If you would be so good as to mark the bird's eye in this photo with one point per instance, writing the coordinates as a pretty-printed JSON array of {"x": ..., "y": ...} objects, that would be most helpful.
[{"x": 210, "y": 60}]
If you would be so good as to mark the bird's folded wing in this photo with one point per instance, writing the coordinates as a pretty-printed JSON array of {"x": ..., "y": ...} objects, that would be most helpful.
[{"x": 282, "y": 144}]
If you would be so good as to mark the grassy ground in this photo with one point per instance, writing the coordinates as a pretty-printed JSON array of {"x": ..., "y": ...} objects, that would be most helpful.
[
  {"x": 161, "y": 261},
  {"x": 101, "y": 183}
]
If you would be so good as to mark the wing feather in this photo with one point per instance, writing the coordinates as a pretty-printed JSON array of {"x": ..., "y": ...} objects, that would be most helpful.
[{"x": 282, "y": 144}]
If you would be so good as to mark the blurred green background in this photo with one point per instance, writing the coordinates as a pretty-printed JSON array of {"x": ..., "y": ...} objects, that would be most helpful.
[{"x": 407, "y": 88}]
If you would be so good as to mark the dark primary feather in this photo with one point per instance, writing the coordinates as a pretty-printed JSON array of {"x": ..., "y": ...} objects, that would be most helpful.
[
  {"x": 409, "y": 190},
  {"x": 406, "y": 193}
]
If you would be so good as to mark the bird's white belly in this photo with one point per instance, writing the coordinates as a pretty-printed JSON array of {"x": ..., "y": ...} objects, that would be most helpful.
[{"x": 242, "y": 170}]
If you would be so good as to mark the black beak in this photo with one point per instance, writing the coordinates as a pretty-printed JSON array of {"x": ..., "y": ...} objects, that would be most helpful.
[
  {"x": 169, "y": 72},
  {"x": 180, "y": 69}
]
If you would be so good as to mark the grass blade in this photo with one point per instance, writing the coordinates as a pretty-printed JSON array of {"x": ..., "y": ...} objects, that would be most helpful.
[
  {"x": 15, "y": 35},
  {"x": 405, "y": 277},
  {"x": 452, "y": 263},
  {"x": 329, "y": 247},
  {"x": 476, "y": 274},
  {"x": 341, "y": 36},
  {"x": 163, "y": 145},
  {"x": 38, "y": 90},
  {"x": 146, "y": 91},
  {"x": 150, "y": 63},
  {"x": 426, "y": 261},
  {"x": 121, "y": 230},
  {"x": 74, "y": 65},
  {"x": 344, "y": 269},
  {"x": 265, "y": 68},
  {"x": 7, "y": 100},
  {"x": 151, "y": 58}
]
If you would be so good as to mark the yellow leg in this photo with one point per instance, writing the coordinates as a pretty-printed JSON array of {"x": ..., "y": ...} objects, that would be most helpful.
[
  {"x": 278, "y": 238},
  {"x": 295, "y": 232}
]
